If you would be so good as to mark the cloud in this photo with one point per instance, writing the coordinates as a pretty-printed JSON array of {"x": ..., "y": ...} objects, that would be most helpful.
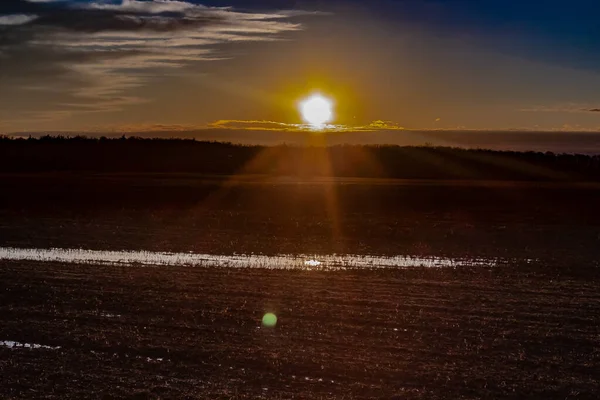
[
  {"x": 136, "y": 128},
  {"x": 385, "y": 125},
  {"x": 378, "y": 125},
  {"x": 156, "y": 6},
  {"x": 96, "y": 52},
  {"x": 564, "y": 108},
  {"x": 16, "y": 19},
  {"x": 241, "y": 126},
  {"x": 257, "y": 125}
]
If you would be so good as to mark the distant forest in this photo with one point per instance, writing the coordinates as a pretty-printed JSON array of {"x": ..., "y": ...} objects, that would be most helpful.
[{"x": 137, "y": 155}]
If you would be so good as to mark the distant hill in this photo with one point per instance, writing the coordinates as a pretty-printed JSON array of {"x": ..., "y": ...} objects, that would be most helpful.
[{"x": 136, "y": 155}]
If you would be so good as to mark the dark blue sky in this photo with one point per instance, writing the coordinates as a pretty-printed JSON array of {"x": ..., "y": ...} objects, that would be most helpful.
[
  {"x": 418, "y": 64},
  {"x": 547, "y": 29}
]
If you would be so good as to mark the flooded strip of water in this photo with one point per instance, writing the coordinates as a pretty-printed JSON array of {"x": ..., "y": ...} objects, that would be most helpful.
[{"x": 294, "y": 262}]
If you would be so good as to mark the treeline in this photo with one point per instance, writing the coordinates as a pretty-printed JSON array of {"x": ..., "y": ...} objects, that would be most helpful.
[{"x": 137, "y": 155}]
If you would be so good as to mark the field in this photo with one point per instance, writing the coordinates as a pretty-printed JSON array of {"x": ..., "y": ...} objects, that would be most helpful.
[{"x": 527, "y": 328}]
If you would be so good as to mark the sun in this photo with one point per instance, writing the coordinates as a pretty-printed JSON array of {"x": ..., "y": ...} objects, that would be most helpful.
[{"x": 317, "y": 110}]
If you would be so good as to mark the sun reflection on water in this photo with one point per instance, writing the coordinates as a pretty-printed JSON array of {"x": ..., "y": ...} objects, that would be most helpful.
[{"x": 312, "y": 263}]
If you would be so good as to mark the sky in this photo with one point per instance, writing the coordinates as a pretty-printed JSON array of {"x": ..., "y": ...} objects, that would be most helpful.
[{"x": 162, "y": 67}]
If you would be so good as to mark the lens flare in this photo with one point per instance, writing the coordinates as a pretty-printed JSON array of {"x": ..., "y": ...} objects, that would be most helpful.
[{"x": 269, "y": 320}]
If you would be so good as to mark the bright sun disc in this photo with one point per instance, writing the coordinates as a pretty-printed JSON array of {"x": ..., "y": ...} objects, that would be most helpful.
[{"x": 317, "y": 110}]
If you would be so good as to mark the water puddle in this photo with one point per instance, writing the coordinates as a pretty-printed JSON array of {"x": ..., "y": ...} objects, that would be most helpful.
[
  {"x": 285, "y": 262},
  {"x": 13, "y": 345},
  {"x": 20, "y": 345},
  {"x": 151, "y": 360},
  {"x": 154, "y": 360},
  {"x": 108, "y": 315}
]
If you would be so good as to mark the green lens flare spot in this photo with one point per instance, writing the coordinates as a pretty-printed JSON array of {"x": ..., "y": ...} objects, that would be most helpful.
[{"x": 269, "y": 320}]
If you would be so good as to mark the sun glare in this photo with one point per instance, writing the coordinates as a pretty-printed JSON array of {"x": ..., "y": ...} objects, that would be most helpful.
[{"x": 316, "y": 110}]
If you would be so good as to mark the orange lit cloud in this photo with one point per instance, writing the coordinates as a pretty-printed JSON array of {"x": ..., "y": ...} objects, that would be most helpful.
[
  {"x": 257, "y": 125},
  {"x": 281, "y": 126}
]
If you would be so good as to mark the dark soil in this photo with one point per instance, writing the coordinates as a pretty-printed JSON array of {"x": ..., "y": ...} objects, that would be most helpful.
[
  {"x": 412, "y": 334},
  {"x": 517, "y": 331},
  {"x": 272, "y": 216}
]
